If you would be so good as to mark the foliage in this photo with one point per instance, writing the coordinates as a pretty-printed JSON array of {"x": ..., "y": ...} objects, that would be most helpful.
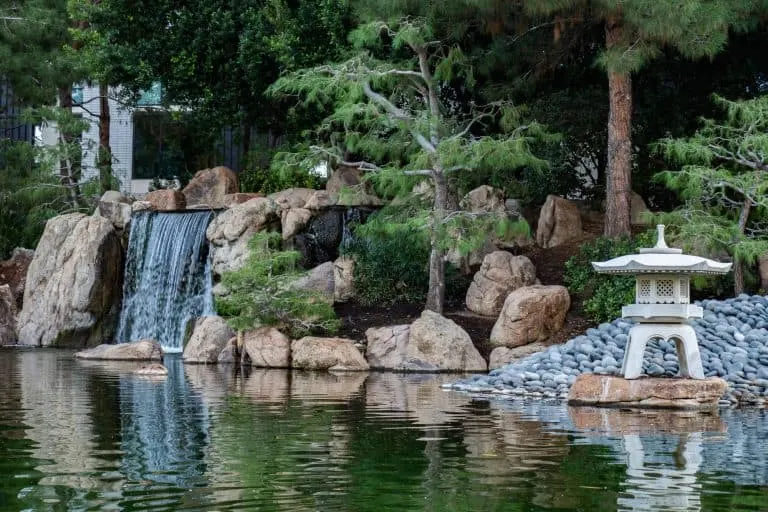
[
  {"x": 215, "y": 56},
  {"x": 391, "y": 262},
  {"x": 33, "y": 35},
  {"x": 29, "y": 196},
  {"x": 723, "y": 183},
  {"x": 264, "y": 293},
  {"x": 603, "y": 295},
  {"x": 257, "y": 176},
  {"x": 392, "y": 113}
]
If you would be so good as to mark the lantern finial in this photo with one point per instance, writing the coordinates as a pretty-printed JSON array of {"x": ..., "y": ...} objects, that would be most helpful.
[{"x": 660, "y": 242}]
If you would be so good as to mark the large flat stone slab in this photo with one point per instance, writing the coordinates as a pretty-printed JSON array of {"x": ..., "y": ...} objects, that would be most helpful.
[
  {"x": 649, "y": 392},
  {"x": 144, "y": 350}
]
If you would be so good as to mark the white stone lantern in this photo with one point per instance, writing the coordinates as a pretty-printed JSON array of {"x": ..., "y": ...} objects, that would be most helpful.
[{"x": 662, "y": 302}]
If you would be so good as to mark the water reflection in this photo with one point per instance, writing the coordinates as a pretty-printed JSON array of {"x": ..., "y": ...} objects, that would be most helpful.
[
  {"x": 164, "y": 429},
  {"x": 662, "y": 451},
  {"x": 94, "y": 435}
]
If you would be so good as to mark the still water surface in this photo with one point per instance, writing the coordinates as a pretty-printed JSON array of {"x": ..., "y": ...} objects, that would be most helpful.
[{"x": 84, "y": 435}]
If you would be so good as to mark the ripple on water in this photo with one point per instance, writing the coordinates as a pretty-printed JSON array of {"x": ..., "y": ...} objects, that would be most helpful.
[{"x": 80, "y": 436}]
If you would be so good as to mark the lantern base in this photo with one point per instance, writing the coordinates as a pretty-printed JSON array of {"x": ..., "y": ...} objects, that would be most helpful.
[
  {"x": 650, "y": 392},
  {"x": 684, "y": 338}
]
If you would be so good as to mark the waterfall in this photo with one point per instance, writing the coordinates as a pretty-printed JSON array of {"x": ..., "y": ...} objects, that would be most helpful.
[{"x": 167, "y": 277}]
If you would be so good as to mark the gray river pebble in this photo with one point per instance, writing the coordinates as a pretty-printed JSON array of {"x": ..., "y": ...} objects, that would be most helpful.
[{"x": 733, "y": 340}]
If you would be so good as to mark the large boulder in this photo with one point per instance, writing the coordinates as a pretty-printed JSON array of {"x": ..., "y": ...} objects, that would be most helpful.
[
  {"x": 7, "y": 316},
  {"x": 231, "y": 230},
  {"x": 141, "y": 206},
  {"x": 74, "y": 284},
  {"x": 119, "y": 214},
  {"x": 144, "y": 350},
  {"x": 531, "y": 313},
  {"x": 319, "y": 200},
  {"x": 500, "y": 274},
  {"x": 13, "y": 272},
  {"x": 292, "y": 197},
  {"x": 484, "y": 199},
  {"x": 387, "y": 346},
  {"x": 229, "y": 353},
  {"x": 115, "y": 196},
  {"x": 435, "y": 344},
  {"x": 209, "y": 186},
  {"x": 343, "y": 279},
  {"x": 266, "y": 347},
  {"x": 343, "y": 177},
  {"x": 559, "y": 222},
  {"x": 294, "y": 220},
  {"x": 166, "y": 200},
  {"x": 210, "y": 335},
  {"x": 313, "y": 353},
  {"x": 638, "y": 211},
  {"x": 319, "y": 279},
  {"x": 239, "y": 198}
]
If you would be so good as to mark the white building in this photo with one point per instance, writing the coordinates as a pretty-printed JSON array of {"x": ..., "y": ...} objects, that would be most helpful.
[{"x": 133, "y": 174}]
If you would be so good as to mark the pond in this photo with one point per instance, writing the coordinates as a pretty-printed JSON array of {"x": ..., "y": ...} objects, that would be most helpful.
[{"x": 85, "y": 435}]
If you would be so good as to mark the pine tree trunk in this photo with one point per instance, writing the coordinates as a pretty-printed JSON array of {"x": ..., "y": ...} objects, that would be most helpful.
[
  {"x": 436, "y": 292},
  {"x": 738, "y": 265},
  {"x": 619, "y": 171},
  {"x": 68, "y": 175},
  {"x": 105, "y": 152}
]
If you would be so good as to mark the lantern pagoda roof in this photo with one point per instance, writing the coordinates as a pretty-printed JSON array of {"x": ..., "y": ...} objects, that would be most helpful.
[{"x": 661, "y": 260}]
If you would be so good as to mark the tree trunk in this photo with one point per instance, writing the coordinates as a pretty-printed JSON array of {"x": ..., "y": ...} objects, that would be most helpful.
[
  {"x": 69, "y": 176},
  {"x": 105, "y": 152},
  {"x": 436, "y": 292},
  {"x": 738, "y": 265},
  {"x": 619, "y": 171}
]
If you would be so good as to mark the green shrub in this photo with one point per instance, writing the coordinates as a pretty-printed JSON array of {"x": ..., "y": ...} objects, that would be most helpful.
[
  {"x": 392, "y": 264},
  {"x": 262, "y": 293},
  {"x": 603, "y": 295}
]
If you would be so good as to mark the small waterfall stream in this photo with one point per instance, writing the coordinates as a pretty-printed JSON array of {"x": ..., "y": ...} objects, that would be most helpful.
[{"x": 167, "y": 277}]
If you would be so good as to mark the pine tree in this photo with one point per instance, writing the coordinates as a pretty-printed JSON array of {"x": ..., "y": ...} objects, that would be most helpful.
[
  {"x": 724, "y": 181},
  {"x": 635, "y": 32},
  {"x": 394, "y": 113}
]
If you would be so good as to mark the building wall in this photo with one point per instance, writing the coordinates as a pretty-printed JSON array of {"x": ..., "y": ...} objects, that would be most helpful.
[{"x": 120, "y": 139}]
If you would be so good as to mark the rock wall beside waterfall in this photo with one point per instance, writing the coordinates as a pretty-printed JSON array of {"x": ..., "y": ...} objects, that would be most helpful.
[{"x": 73, "y": 286}]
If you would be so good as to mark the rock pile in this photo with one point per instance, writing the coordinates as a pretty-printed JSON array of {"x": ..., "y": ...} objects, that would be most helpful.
[{"x": 733, "y": 340}]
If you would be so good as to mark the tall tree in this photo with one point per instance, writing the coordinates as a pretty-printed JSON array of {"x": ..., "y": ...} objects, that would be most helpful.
[
  {"x": 635, "y": 32},
  {"x": 393, "y": 114},
  {"x": 217, "y": 57}
]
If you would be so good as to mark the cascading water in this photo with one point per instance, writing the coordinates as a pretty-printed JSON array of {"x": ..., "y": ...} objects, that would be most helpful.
[{"x": 167, "y": 277}]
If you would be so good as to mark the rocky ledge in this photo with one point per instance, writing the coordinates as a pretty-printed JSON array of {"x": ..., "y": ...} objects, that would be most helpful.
[{"x": 733, "y": 340}]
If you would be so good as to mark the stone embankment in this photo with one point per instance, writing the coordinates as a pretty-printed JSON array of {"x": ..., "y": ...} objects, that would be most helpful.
[{"x": 733, "y": 340}]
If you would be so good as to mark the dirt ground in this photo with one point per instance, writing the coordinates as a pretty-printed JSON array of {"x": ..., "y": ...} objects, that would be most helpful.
[{"x": 550, "y": 264}]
